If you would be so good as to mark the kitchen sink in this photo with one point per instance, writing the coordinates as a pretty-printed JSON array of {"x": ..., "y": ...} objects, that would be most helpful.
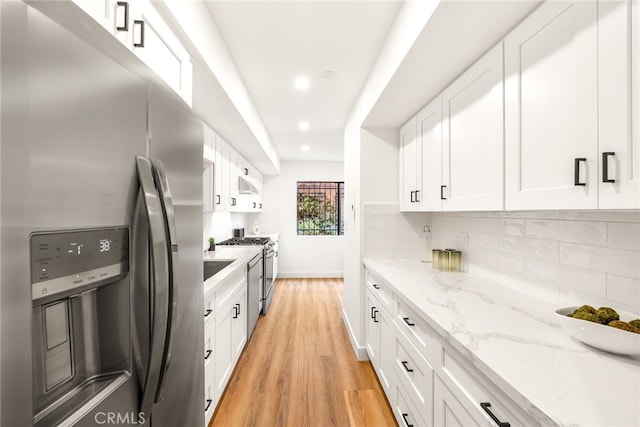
[{"x": 212, "y": 267}]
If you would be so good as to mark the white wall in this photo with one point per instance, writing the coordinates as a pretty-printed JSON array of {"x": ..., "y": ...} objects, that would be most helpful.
[
  {"x": 219, "y": 225},
  {"x": 300, "y": 256},
  {"x": 411, "y": 19}
]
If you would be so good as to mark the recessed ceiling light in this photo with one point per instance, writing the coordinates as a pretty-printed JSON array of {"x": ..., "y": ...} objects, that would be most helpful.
[
  {"x": 303, "y": 126},
  {"x": 301, "y": 83},
  {"x": 304, "y": 148},
  {"x": 329, "y": 74}
]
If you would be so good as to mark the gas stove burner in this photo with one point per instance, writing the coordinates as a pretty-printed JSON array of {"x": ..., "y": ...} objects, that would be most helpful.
[{"x": 240, "y": 241}]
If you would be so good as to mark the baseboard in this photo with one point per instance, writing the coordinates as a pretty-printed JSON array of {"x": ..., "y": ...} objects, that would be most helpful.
[
  {"x": 360, "y": 351},
  {"x": 309, "y": 274}
]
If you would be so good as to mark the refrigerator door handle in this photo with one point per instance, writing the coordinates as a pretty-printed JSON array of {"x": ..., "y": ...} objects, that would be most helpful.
[
  {"x": 166, "y": 201},
  {"x": 159, "y": 301}
]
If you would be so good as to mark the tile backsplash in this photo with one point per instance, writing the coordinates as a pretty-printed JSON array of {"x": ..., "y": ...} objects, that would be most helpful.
[{"x": 564, "y": 257}]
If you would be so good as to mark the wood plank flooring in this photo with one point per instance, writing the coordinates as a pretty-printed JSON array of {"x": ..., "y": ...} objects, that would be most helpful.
[{"x": 299, "y": 369}]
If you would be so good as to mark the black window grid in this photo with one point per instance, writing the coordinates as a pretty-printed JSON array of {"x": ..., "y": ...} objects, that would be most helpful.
[{"x": 320, "y": 208}]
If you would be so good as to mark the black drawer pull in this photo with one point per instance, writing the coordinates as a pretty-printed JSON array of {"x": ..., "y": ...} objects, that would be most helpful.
[
  {"x": 405, "y": 363},
  {"x": 373, "y": 309},
  {"x": 218, "y": 199},
  {"x": 208, "y": 354},
  {"x": 208, "y": 312},
  {"x": 413, "y": 197},
  {"x": 206, "y": 407},
  {"x": 124, "y": 27},
  {"x": 375, "y": 316},
  {"x": 486, "y": 406},
  {"x": 235, "y": 312},
  {"x": 375, "y": 286},
  {"x": 238, "y": 308},
  {"x": 576, "y": 171},
  {"x": 605, "y": 166},
  {"x": 404, "y": 418},
  {"x": 141, "y": 24},
  {"x": 406, "y": 320},
  {"x": 417, "y": 196},
  {"x": 442, "y": 187}
]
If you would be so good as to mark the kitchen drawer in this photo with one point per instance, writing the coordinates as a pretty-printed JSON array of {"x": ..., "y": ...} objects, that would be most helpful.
[
  {"x": 419, "y": 333},
  {"x": 381, "y": 290},
  {"x": 209, "y": 308},
  {"x": 209, "y": 340},
  {"x": 464, "y": 381},
  {"x": 405, "y": 411},
  {"x": 225, "y": 290},
  {"x": 415, "y": 374},
  {"x": 209, "y": 393}
]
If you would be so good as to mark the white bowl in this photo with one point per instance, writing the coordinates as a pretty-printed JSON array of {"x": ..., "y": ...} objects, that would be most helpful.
[{"x": 602, "y": 337}]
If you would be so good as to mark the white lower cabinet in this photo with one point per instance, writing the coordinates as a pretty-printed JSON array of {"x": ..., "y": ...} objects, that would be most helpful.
[
  {"x": 225, "y": 335},
  {"x": 379, "y": 339},
  {"x": 428, "y": 382}
]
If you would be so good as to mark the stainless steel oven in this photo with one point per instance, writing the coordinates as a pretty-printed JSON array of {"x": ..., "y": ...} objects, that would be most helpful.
[{"x": 269, "y": 253}]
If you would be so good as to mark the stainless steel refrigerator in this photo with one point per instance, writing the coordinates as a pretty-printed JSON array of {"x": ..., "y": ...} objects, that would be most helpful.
[{"x": 100, "y": 237}]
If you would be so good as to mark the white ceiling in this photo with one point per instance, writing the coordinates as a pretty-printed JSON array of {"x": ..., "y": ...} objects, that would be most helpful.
[{"x": 272, "y": 42}]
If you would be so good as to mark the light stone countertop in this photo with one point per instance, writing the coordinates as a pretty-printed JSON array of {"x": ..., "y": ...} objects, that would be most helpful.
[
  {"x": 240, "y": 255},
  {"x": 518, "y": 343}
]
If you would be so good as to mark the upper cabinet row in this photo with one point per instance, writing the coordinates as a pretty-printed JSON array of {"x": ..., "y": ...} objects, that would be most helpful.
[
  {"x": 138, "y": 26},
  {"x": 547, "y": 119},
  {"x": 231, "y": 183}
]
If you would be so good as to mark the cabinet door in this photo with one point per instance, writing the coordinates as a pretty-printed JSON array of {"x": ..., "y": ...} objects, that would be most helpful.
[
  {"x": 220, "y": 176},
  {"x": 447, "y": 410},
  {"x": 232, "y": 180},
  {"x": 473, "y": 159},
  {"x": 155, "y": 44},
  {"x": 430, "y": 136},
  {"x": 239, "y": 324},
  {"x": 551, "y": 108},
  {"x": 409, "y": 170},
  {"x": 372, "y": 330},
  {"x": 207, "y": 189},
  {"x": 619, "y": 104},
  {"x": 223, "y": 356},
  {"x": 386, "y": 356}
]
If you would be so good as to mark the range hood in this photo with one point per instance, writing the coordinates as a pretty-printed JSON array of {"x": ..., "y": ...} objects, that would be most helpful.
[{"x": 245, "y": 187}]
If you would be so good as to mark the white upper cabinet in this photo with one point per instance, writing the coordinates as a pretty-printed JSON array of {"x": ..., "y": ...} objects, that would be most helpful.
[
  {"x": 473, "y": 138},
  {"x": 430, "y": 137},
  {"x": 551, "y": 90},
  {"x": 410, "y": 166},
  {"x": 619, "y": 104},
  {"x": 155, "y": 44}
]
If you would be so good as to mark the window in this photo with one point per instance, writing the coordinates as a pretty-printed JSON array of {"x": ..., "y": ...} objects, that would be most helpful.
[{"x": 320, "y": 208}]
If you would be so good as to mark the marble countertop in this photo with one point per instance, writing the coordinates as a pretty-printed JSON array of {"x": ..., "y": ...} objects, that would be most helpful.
[
  {"x": 240, "y": 255},
  {"x": 518, "y": 343}
]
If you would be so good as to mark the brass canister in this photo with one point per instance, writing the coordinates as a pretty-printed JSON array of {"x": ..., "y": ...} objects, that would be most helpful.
[{"x": 435, "y": 258}]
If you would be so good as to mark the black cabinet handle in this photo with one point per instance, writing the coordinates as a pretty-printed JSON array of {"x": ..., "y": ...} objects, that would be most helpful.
[
  {"x": 206, "y": 407},
  {"x": 372, "y": 310},
  {"x": 406, "y": 320},
  {"x": 413, "y": 193},
  {"x": 405, "y": 363},
  {"x": 235, "y": 312},
  {"x": 417, "y": 196},
  {"x": 260, "y": 205},
  {"x": 208, "y": 312},
  {"x": 246, "y": 171},
  {"x": 404, "y": 418},
  {"x": 238, "y": 305},
  {"x": 376, "y": 286},
  {"x": 124, "y": 27},
  {"x": 233, "y": 201},
  {"x": 486, "y": 406},
  {"x": 576, "y": 171},
  {"x": 605, "y": 166},
  {"x": 141, "y": 24},
  {"x": 207, "y": 354},
  {"x": 218, "y": 199},
  {"x": 375, "y": 316},
  {"x": 254, "y": 205},
  {"x": 442, "y": 187}
]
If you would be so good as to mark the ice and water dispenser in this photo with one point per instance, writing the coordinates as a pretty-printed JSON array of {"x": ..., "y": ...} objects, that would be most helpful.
[{"x": 81, "y": 317}]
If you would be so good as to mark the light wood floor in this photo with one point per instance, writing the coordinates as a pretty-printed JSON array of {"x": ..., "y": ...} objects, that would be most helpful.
[{"x": 299, "y": 369}]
